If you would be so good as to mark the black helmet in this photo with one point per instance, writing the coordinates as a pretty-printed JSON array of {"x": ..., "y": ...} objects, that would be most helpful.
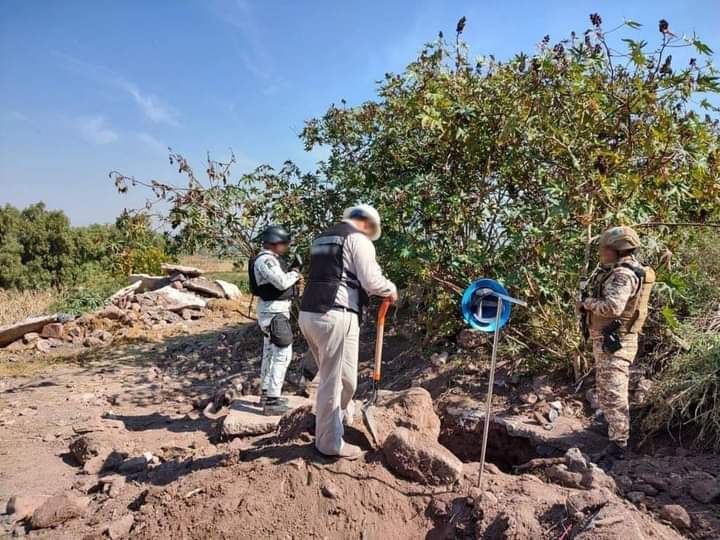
[{"x": 276, "y": 234}]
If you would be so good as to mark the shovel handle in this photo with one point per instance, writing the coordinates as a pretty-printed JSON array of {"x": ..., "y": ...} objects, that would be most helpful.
[{"x": 379, "y": 337}]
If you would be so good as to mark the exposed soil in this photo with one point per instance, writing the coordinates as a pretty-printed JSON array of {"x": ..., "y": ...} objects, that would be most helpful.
[{"x": 140, "y": 398}]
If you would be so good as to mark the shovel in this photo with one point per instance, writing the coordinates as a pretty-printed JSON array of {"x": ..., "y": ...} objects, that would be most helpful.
[{"x": 369, "y": 405}]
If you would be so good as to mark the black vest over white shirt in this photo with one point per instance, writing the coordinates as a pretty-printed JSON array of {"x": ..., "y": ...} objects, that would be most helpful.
[
  {"x": 267, "y": 291},
  {"x": 328, "y": 274}
]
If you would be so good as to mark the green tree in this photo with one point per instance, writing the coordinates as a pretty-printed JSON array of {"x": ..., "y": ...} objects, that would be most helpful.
[{"x": 499, "y": 169}]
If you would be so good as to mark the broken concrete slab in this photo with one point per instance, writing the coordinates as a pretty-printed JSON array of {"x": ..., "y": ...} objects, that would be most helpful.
[
  {"x": 12, "y": 332},
  {"x": 189, "y": 271},
  {"x": 126, "y": 291},
  {"x": 245, "y": 417},
  {"x": 175, "y": 300},
  {"x": 231, "y": 290},
  {"x": 205, "y": 286},
  {"x": 148, "y": 282}
]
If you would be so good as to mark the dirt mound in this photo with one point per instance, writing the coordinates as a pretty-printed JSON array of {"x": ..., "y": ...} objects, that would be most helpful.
[{"x": 325, "y": 499}]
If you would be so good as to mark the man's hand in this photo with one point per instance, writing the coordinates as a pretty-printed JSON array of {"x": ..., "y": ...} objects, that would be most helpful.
[{"x": 300, "y": 280}]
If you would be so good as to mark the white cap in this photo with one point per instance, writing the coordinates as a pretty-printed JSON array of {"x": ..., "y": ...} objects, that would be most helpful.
[{"x": 365, "y": 211}]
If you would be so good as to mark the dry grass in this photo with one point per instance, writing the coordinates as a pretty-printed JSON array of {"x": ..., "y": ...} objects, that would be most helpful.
[
  {"x": 207, "y": 263},
  {"x": 18, "y": 305}
]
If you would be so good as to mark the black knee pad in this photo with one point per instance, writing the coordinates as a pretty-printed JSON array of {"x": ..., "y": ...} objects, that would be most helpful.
[{"x": 281, "y": 333}]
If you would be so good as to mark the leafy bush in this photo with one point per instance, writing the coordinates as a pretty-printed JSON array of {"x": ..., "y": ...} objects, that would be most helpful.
[{"x": 93, "y": 293}]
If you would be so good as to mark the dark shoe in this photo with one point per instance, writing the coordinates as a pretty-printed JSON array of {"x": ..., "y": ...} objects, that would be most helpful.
[
  {"x": 616, "y": 451},
  {"x": 264, "y": 399},
  {"x": 599, "y": 426},
  {"x": 275, "y": 407}
]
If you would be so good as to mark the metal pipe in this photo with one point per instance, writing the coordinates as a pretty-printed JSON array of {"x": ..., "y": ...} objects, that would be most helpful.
[{"x": 491, "y": 383}]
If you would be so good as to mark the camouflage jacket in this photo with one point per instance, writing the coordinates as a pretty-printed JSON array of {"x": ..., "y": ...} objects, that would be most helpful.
[{"x": 612, "y": 289}]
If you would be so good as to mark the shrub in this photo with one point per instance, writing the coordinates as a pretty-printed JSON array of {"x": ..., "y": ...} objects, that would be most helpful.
[
  {"x": 686, "y": 396},
  {"x": 39, "y": 249}
]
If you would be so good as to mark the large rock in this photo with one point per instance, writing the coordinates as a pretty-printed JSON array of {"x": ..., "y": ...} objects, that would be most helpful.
[
  {"x": 245, "y": 417},
  {"x": 175, "y": 300},
  {"x": 57, "y": 510},
  {"x": 86, "y": 447},
  {"x": 421, "y": 458},
  {"x": 21, "y": 507},
  {"x": 205, "y": 286},
  {"x": 189, "y": 271},
  {"x": 12, "y": 332},
  {"x": 232, "y": 291},
  {"x": 411, "y": 409},
  {"x": 52, "y": 330},
  {"x": 705, "y": 490},
  {"x": 677, "y": 515},
  {"x": 120, "y": 528},
  {"x": 111, "y": 312},
  {"x": 147, "y": 282}
]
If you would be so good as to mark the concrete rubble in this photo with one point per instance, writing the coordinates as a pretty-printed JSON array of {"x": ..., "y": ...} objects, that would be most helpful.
[{"x": 182, "y": 294}]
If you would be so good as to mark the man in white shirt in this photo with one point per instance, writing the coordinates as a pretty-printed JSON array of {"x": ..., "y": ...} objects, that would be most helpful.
[
  {"x": 343, "y": 274},
  {"x": 274, "y": 286}
]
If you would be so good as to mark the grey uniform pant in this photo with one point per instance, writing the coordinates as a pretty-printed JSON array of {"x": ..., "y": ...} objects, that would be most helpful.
[
  {"x": 333, "y": 338},
  {"x": 275, "y": 360}
]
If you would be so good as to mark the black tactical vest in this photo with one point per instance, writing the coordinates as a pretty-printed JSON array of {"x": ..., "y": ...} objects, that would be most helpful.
[
  {"x": 327, "y": 271},
  {"x": 268, "y": 291}
]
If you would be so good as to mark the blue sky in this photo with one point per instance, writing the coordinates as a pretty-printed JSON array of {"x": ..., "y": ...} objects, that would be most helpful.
[{"x": 95, "y": 85}]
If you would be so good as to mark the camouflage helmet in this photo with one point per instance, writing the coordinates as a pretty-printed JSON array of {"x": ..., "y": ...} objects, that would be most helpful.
[{"x": 620, "y": 238}]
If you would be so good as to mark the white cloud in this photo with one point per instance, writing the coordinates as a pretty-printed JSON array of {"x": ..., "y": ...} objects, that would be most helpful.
[
  {"x": 151, "y": 106},
  {"x": 96, "y": 129}
]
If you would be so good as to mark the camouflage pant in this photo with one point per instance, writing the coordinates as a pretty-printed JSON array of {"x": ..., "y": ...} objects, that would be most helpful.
[{"x": 612, "y": 373}]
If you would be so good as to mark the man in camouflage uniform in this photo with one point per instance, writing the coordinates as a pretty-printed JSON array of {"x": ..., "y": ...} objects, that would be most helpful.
[{"x": 616, "y": 311}]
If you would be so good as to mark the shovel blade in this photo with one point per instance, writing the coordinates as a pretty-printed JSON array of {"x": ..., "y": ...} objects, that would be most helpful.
[{"x": 369, "y": 418}]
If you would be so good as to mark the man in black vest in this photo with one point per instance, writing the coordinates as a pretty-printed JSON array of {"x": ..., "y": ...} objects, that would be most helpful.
[
  {"x": 343, "y": 273},
  {"x": 274, "y": 286}
]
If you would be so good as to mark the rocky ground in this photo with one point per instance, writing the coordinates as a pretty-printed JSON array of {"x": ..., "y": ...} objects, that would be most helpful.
[{"x": 158, "y": 436}]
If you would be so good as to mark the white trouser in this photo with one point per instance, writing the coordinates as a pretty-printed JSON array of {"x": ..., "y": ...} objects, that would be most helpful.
[
  {"x": 333, "y": 338},
  {"x": 275, "y": 360}
]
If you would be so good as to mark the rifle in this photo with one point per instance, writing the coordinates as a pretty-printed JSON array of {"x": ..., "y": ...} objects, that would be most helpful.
[{"x": 296, "y": 263}]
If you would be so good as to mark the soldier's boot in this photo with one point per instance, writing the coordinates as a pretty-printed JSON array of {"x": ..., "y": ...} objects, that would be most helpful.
[
  {"x": 274, "y": 407},
  {"x": 264, "y": 398},
  {"x": 612, "y": 453},
  {"x": 616, "y": 451}
]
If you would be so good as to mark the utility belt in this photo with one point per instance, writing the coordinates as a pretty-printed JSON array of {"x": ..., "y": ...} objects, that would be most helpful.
[{"x": 338, "y": 307}]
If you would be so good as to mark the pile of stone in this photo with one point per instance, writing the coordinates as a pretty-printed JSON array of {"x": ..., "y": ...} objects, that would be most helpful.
[{"x": 181, "y": 294}]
